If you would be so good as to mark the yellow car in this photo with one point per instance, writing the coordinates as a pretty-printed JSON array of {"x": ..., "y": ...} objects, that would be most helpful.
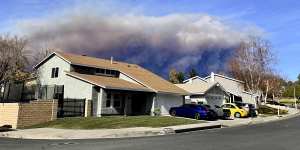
[{"x": 236, "y": 111}]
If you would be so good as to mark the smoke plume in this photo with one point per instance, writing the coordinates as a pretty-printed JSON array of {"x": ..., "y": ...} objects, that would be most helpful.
[{"x": 180, "y": 41}]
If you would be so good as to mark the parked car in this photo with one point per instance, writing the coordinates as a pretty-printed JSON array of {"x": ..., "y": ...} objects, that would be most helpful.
[
  {"x": 272, "y": 102},
  {"x": 235, "y": 110},
  {"x": 250, "y": 108},
  {"x": 193, "y": 111}
]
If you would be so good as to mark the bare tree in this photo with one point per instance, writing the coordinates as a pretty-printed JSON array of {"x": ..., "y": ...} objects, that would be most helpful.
[
  {"x": 274, "y": 85},
  {"x": 252, "y": 60},
  {"x": 13, "y": 60}
]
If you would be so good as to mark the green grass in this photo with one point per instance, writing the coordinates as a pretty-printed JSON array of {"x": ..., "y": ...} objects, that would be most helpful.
[
  {"x": 265, "y": 110},
  {"x": 288, "y": 101},
  {"x": 115, "y": 122}
]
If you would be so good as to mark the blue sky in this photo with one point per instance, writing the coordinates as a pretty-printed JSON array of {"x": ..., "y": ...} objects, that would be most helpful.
[{"x": 279, "y": 20}]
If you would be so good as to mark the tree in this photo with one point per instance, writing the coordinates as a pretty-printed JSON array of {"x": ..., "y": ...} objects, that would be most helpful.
[
  {"x": 252, "y": 61},
  {"x": 274, "y": 85},
  {"x": 180, "y": 77},
  {"x": 176, "y": 77},
  {"x": 13, "y": 60},
  {"x": 173, "y": 76},
  {"x": 193, "y": 73},
  {"x": 298, "y": 81}
]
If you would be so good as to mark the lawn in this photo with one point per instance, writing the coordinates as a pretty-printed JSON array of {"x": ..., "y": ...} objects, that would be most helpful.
[
  {"x": 115, "y": 122},
  {"x": 288, "y": 101},
  {"x": 265, "y": 110}
]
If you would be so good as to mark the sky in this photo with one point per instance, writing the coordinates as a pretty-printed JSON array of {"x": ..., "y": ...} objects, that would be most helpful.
[{"x": 277, "y": 21}]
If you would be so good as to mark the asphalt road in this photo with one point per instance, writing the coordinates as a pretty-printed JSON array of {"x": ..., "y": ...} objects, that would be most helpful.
[{"x": 282, "y": 135}]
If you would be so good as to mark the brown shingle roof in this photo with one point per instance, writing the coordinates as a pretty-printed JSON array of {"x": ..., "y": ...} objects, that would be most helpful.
[
  {"x": 136, "y": 72},
  {"x": 109, "y": 82}
]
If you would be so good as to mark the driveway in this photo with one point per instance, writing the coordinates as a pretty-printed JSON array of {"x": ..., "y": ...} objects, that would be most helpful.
[{"x": 281, "y": 135}]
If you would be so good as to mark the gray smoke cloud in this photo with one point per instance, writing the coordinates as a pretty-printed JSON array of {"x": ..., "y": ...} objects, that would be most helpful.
[{"x": 159, "y": 43}]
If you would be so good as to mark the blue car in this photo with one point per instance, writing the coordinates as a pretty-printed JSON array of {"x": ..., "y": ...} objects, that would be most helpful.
[{"x": 193, "y": 111}]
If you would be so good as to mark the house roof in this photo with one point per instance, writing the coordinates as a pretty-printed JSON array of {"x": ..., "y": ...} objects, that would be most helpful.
[
  {"x": 225, "y": 77},
  {"x": 135, "y": 72},
  {"x": 193, "y": 78},
  {"x": 198, "y": 88},
  {"x": 109, "y": 82}
]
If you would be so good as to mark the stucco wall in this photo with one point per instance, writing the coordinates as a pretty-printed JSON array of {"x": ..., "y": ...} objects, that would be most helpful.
[
  {"x": 21, "y": 115},
  {"x": 231, "y": 86},
  {"x": 166, "y": 101},
  {"x": 78, "y": 89},
  {"x": 247, "y": 98},
  {"x": 45, "y": 71},
  {"x": 9, "y": 114}
]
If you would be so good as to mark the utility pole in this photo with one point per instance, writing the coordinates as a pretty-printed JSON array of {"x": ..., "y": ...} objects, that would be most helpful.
[
  {"x": 267, "y": 92},
  {"x": 295, "y": 97}
]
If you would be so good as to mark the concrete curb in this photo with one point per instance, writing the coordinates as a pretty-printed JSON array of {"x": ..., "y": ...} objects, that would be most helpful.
[{"x": 191, "y": 127}]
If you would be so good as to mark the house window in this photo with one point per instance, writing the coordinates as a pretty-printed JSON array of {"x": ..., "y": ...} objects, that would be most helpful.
[
  {"x": 54, "y": 72},
  {"x": 108, "y": 100},
  {"x": 100, "y": 71}
]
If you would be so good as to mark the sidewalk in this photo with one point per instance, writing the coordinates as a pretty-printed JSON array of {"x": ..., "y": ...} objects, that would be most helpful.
[{"x": 52, "y": 133}]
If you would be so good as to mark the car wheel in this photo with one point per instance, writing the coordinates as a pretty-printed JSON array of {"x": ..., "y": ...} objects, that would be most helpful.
[
  {"x": 237, "y": 115},
  {"x": 173, "y": 113},
  {"x": 197, "y": 116}
]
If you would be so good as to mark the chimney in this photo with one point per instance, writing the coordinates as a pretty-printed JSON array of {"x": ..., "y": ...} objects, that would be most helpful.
[
  {"x": 212, "y": 77},
  {"x": 111, "y": 60}
]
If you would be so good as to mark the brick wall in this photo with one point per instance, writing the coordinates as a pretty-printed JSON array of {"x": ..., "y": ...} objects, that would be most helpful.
[
  {"x": 21, "y": 115},
  {"x": 36, "y": 112}
]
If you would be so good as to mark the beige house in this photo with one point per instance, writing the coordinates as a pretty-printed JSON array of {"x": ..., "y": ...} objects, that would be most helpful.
[{"x": 113, "y": 87}]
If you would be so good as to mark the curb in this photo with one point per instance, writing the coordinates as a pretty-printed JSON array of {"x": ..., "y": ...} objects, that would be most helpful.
[
  {"x": 184, "y": 128},
  {"x": 198, "y": 128}
]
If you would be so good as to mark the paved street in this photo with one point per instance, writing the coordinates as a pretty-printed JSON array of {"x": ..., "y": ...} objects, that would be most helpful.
[{"x": 282, "y": 135}]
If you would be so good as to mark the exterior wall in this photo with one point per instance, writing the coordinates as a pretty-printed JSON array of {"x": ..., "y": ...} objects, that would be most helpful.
[
  {"x": 247, "y": 98},
  {"x": 45, "y": 71},
  {"x": 9, "y": 114},
  {"x": 231, "y": 86},
  {"x": 36, "y": 112},
  {"x": 78, "y": 89},
  {"x": 215, "y": 96},
  {"x": 166, "y": 101},
  {"x": 21, "y": 115}
]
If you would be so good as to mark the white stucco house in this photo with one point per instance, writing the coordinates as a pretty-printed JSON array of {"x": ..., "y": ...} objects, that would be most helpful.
[
  {"x": 226, "y": 90},
  {"x": 204, "y": 92},
  {"x": 113, "y": 87}
]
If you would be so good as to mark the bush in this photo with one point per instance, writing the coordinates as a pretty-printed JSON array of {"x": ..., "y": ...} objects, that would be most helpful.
[{"x": 270, "y": 110}]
